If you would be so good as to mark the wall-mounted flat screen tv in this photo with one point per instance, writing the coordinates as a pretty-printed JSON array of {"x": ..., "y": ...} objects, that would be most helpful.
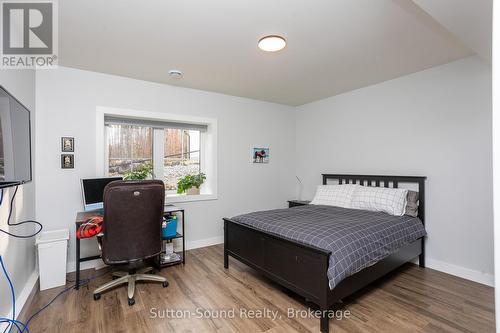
[{"x": 15, "y": 141}]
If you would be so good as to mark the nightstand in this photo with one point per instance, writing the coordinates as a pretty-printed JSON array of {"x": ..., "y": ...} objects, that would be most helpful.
[{"x": 294, "y": 203}]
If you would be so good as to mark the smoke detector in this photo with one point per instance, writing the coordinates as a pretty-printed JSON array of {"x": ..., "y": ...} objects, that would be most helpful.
[{"x": 175, "y": 73}]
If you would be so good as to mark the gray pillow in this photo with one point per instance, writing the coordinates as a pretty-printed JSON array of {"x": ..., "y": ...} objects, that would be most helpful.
[{"x": 412, "y": 203}]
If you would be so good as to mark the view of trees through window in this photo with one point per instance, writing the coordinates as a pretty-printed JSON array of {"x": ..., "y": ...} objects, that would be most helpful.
[
  {"x": 182, "y": 155},
  {"x": 131, "y": 147}
]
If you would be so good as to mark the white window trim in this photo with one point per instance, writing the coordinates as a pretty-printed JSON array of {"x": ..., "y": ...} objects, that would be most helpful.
[
  {"x": 158, "y": 150},
  {"x": 208, "y": 142}
]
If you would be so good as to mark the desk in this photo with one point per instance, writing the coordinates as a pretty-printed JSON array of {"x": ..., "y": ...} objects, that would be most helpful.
[{"x": 84, "y": 216}]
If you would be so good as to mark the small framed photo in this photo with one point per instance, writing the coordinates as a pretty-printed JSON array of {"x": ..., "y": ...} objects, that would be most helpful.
[
  {"x": 67, "y": 144},
  {"x": 67, "y": 161},
  {"x": 260, "y": 155}
]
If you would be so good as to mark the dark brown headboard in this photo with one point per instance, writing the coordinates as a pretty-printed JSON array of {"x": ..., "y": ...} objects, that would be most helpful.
[{"x": 383, "y": 181}]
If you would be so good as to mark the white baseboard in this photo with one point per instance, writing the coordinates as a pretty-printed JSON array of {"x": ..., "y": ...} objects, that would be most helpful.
[
  {"x": 190, "y": 245},
  {"x": 71, "y": 265},
  {"x": 24, "y": 295},
  {"x": 465, "y": 273},
  {"x": 204, "y": 242}
]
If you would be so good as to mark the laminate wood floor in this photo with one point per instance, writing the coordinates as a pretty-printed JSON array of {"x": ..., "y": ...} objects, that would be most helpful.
[{"x": 411, "y": 299}]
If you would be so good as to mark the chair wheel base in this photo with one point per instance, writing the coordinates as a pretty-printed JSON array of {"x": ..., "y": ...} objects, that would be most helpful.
[
  {"x": 97, "y": 297},
  {"x": 131, "y": 301},
  {"x": 164, "y": 284}
]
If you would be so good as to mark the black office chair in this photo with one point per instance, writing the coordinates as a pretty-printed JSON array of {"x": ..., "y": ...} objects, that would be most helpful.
[{"x": 133, "y": 213}]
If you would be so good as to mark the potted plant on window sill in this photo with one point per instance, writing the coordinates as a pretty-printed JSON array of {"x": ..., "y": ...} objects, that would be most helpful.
[
  {"x": 140, "y": 173},
  {"x": 190, "y": 184}
]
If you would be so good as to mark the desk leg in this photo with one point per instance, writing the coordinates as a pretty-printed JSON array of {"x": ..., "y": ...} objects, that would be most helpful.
[{"x": 77, "y": 278}]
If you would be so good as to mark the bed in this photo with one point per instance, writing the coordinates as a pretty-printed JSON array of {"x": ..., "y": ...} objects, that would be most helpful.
[{"x": 314, "y": 259}]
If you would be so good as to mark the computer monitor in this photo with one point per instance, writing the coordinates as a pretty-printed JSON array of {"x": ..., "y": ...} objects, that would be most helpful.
[{"x": 93, "y": 191}]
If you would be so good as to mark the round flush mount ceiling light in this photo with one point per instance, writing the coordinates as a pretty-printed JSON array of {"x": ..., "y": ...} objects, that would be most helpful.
[
  {"x": 175, "y": 73},
  {"x": 272, "y": 43}
]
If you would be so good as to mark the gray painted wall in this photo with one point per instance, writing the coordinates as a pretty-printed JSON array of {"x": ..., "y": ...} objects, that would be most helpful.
[
  {"x": 66, "y": 106},
  {"x": 18, "y": 254},
  {"x": 435, "y": 123}
]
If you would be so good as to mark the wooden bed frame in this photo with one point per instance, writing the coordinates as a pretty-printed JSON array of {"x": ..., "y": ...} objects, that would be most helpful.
[{"x": 303, "y": 268}]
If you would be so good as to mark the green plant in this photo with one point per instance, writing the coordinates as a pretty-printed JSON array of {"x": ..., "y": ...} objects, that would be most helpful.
[
  {"x": 141, "y": 173},
  {"x": 189, "y": 181}
]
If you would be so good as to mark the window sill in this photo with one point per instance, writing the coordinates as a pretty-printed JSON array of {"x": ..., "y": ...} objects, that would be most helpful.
[{"x": 176, "y": 198}]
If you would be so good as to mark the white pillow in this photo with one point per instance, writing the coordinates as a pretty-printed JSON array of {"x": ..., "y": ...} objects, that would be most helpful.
[
  {"x": 334, "y": 195},
  {"x": 381, "y": 199}
]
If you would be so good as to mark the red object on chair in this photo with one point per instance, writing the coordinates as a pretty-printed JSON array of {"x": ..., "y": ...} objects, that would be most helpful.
[{"x": 90, "y": 228}]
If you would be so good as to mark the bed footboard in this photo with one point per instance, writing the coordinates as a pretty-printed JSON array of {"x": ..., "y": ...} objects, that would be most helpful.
[
  {"x": 303, "y": 268},
  {"x": 296, "y": 266}
]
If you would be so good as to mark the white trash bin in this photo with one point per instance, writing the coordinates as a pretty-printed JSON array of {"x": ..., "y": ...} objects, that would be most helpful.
[{"x": 52, "y": 253}]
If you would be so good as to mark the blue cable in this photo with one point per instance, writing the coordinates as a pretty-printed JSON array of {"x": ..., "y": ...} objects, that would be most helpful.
[
  {"x": 83, "y": 283},
  {"x": 45, "y": 306},
  {"x": 13, "y": 294},
  {"x": 15, "y": 322},
  {"x": 25, "y": 325},
  {"x": 12, "y": 321}
]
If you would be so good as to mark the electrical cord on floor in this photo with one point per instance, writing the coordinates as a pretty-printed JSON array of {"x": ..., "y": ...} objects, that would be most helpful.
[
  {"x": 83, "y": 282},
  {"x": 17, "y": 323},
  {"x": 18, "y": 223},
  {"x": 13, "y": 321}
]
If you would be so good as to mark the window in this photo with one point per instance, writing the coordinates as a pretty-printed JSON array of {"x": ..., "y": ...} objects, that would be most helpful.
[
  {"x": 130, "y": 148},
  {"x": 182, "y": 155},
  {"x": 167, "y": 150}
]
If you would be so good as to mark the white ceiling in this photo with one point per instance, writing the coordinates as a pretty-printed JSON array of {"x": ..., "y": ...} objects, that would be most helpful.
[
  {"x": 333, "y": 45},
  {"x": 469, "y": 20}
]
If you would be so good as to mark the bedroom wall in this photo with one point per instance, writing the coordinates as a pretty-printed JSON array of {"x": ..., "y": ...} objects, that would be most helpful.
[
  {"x": 66, "y": 106},
  {"x": 435, "y": 123},
  {"x": 496, "y": 153},
  {"x": 18, "y": 254}
]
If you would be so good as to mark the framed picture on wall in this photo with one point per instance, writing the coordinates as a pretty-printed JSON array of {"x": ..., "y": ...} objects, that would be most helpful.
[
  {"x": 67, "y": 161},
  {"x": 260, "y": 155},
  {"x": 67, "y": 144}
]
